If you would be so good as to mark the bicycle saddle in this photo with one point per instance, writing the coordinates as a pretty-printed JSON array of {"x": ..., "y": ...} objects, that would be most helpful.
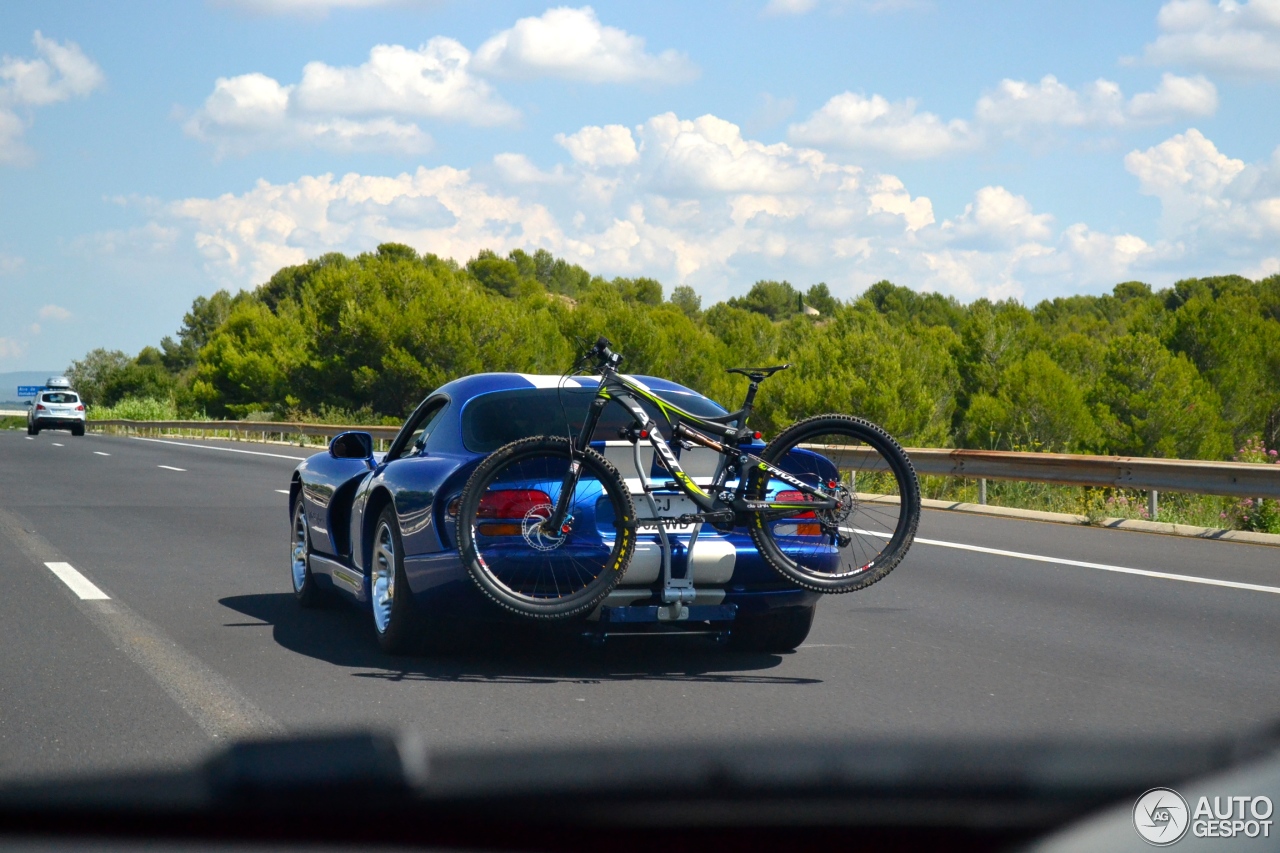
[{"x": 758, "y": 374}]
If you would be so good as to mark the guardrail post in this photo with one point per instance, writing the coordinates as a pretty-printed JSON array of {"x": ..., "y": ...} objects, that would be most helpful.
[
  {"x": 1153, "y": 504},
  {"x": 982, "y": 491}
]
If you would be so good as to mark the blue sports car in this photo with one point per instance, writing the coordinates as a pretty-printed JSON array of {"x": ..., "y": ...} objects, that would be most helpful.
[{"x": 379, "y": 529}]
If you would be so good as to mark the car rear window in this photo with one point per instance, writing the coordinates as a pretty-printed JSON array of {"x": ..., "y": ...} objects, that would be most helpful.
[
  {"x": 492, "y": 420},
  {"x": 59, "y": 397}
]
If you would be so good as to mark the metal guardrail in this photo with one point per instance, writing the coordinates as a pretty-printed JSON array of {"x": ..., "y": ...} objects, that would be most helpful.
[
  {"x": 1233, "y": 479},
  {"x": 244, "y": 428}
]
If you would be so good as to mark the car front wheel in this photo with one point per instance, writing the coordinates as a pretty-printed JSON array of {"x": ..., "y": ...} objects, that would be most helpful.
[
  {"x": 304, "y": 584},
  {"x": 389, "y": 596}
]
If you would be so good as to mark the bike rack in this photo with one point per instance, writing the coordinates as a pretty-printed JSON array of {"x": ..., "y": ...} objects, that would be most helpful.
[{"x": 677, "y": 593}]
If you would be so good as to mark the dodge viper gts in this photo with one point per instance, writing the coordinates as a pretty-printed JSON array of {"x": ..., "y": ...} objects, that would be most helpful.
[{"x": 379, "y": 529}]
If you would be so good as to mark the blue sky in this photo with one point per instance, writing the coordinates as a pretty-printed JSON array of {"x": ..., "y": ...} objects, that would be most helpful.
[{"x": 154, "y": 152}]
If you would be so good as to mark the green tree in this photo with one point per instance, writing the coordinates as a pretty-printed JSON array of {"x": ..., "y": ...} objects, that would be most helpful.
[
  {"x": 1151, "y": 402},
  {"x": 776, "y": 300},
  {"x": 91, "y": 374},
  {"x": 1038, "y": 406},
  {"x": 687, "y": 300}
]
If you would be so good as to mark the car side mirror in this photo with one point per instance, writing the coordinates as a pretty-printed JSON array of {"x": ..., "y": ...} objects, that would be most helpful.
[
  {"x": 30, "y": 403},
  {"x": 352, "y": 445}
]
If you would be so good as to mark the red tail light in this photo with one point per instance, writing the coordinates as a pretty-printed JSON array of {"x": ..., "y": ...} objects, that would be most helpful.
[
  {"x": 39, "y": 407},
  {"x": 801, "y": 529},
  {"x": 509, "y": 505},
  {"x": 80, "y": 408}
]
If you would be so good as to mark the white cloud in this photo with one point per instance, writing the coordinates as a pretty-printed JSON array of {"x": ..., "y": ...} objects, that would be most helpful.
[
  {"x": 60, "y": 71},
  {"x": 574, "y": 45},
  {"x": 687, "y": 201},
  {"x": 1189, "y": 176},
  {"x": 1016, "y": 105},
  {"x": 10, "y": 264},
  {"x": 853, "y": 121},
  {"x": 519, "y": 169},
  {"x": 1175, "y": 97},
  {"x": 54, "y": 312},
  {"x": 790, "y": 7},
  {"x": 1218, "y": 209},
  {"x": 306, "y": 8},
  {"x": 997, "y": 215},
  {"x": 1229, "y": 37},
  {"x": 352, "y": 108},
  {"x": 1265, "y": 268},
  {"x": 611, "y": 145},
  {"x": 11, "y": 348},
  {"x": 245, "y": 238}
]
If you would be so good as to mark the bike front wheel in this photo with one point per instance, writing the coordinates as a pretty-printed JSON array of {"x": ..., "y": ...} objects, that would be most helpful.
[
  {"x": 511, "y": 555},
  {"x": 867, "y": 534}
]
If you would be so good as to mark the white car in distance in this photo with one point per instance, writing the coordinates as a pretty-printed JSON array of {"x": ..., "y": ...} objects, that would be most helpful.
[{"x": 56, "y": 406}]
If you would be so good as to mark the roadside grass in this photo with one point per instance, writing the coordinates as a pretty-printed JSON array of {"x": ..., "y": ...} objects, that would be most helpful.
[
  {"x": 13, "y": 422},
  {"x": 1096, "y": 504}
]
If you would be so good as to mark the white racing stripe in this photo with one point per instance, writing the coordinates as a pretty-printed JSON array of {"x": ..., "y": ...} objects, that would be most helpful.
[
  {"x": 170, "y": 468},
  {"x": 1102, "y": 567},
  {"x": 223, "y": 449},
  {"x": 79, "y": 584}
]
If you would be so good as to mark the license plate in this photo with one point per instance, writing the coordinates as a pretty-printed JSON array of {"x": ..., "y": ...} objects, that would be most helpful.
[{"x": 669, "y": 506}]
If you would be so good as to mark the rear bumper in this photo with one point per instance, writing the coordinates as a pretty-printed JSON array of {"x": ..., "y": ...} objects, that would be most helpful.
[{"x": 58, "y": 423}]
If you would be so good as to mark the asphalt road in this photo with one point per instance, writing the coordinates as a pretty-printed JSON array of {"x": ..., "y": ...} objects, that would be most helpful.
[{"x": 199, "y": 639}]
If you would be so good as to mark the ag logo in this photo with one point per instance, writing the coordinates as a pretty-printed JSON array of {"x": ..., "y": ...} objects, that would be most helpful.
[{"x": 1160, "y": 816}]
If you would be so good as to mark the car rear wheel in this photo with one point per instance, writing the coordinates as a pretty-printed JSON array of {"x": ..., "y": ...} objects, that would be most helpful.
[
  {"x": 304, "y": 585},
  {"x": 775, "y": 631},
  {"x": 31, "y": 430},
  {"x": 389, "y": 596},
  {"x": 77, "y": 430}
]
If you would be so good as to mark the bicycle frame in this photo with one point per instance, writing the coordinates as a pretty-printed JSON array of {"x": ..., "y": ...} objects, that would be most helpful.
[{"x": 717, "y": 505}]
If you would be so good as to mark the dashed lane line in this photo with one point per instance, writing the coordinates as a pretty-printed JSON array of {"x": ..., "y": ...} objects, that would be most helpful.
[
  {"x": 100, "y": 453},
  {"x": 223, "y": 449},
  {"x": 55, "y": 444},
  {"x": 79, "y": 584},
  {"x": 215, "y": 705},
  {"x": 283, "y": 491},
  {"x": 170, "y": 468}
]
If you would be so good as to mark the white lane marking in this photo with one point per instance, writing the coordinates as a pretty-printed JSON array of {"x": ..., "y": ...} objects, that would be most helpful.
[
  {"x": 100, "y": 453},
  {"x": 79, "y": 584},
  {"x": 170, "y": 468},
  {"x": 283, "y": 491},
  {"x": 55, "y": 444},
  {"x": 224, "y": 449},
  {"x": 29, "y": 437},
  {"x": 1103, "y": 567}
]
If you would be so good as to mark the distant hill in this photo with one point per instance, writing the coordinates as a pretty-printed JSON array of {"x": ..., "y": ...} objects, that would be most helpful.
[{"x": 9, "y": 383}]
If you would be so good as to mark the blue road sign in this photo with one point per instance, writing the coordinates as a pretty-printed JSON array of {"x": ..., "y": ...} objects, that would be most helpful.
[{"x": 28, "y": 390}]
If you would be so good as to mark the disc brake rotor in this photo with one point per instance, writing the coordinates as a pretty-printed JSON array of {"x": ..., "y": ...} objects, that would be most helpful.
[{"x": 533, "y": 530}]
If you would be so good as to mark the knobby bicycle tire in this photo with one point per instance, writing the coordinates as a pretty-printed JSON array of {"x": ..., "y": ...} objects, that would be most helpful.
[
  {"x": 518, "y": 566},
  {"x": 858, "y": 574}
]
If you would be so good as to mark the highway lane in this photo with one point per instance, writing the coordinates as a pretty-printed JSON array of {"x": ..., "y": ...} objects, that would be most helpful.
[{"x": 954, "y": 642}]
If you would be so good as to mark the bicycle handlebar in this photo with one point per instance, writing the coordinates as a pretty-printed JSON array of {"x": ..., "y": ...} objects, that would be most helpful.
[{"x": 603, "y": 354}]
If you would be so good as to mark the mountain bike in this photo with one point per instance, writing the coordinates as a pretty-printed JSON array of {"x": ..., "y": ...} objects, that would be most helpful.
[{"x": 547, "y": 525}]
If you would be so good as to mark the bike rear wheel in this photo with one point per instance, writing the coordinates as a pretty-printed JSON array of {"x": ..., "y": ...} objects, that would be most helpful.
[
  {"x": 514, "y": 560},
  {"x": 865, "y": 537}
]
